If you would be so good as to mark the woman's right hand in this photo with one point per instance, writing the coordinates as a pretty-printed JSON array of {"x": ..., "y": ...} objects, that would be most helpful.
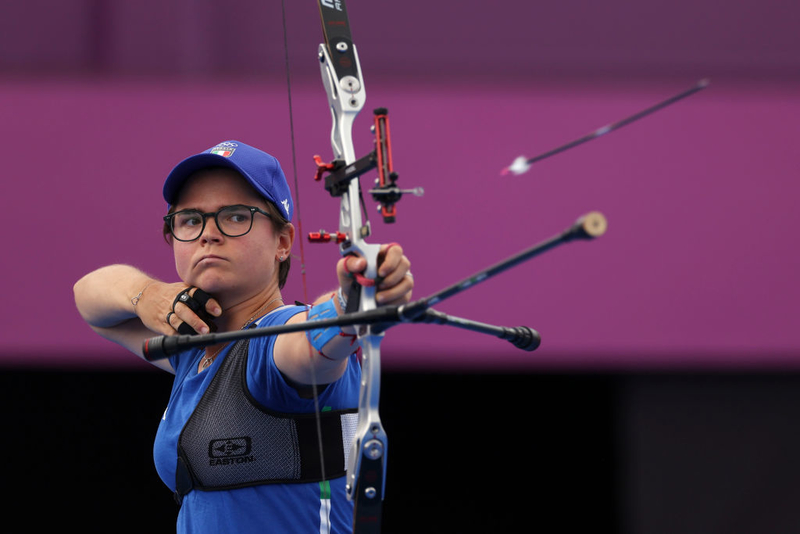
[
  {"x": 160, "y": 310},
  {"x": 127, "y": 306}
]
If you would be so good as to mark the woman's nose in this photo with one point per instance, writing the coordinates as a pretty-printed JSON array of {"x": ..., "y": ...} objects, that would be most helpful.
[{"x": 211, "y": 231}]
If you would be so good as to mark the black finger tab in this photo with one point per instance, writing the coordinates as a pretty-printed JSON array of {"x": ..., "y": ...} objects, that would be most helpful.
[
  {"x": 191, "y": 303},
  {"x": 197, "y": 305},
  {"x": 185, "y": 330},
  {"x": 201, "y": 297},
  {"x": 181, "y": 297}
]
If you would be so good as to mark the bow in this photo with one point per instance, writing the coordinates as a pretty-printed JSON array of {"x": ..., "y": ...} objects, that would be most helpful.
[{"x": 344, "y": 85}]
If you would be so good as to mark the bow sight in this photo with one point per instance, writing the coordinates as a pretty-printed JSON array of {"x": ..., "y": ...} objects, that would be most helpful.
[{"x": 386, "y": 193}]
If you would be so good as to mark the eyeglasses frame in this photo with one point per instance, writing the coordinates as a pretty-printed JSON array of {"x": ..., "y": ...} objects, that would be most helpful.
[{"x": 168, "y": 219}]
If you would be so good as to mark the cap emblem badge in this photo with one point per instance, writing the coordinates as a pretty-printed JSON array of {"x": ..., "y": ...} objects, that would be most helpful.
[{"x": 224, "y": 149}]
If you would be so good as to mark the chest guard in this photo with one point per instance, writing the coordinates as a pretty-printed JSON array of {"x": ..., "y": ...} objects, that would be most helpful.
[{"x": 231, "y": 441}]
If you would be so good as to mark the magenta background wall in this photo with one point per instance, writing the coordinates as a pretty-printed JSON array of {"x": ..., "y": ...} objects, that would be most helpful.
[{"x": 698, "y": 269}]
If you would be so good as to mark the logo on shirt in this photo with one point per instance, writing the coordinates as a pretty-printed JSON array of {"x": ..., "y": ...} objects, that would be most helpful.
[{"x": 230, "y": 451}]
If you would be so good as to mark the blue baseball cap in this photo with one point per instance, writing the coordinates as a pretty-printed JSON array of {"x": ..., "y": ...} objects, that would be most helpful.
[{"x": 261, "y": 170}]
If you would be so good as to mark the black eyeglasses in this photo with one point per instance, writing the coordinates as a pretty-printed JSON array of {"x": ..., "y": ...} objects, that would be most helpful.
[{"x": 232, "y": 221}]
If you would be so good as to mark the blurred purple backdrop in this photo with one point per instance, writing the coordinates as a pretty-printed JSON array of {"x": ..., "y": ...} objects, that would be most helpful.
[{"x": 98, "y": 100}]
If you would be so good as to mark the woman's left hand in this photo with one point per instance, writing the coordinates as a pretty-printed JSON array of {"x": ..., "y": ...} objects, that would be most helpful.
[
  {"x": 394, "y": 276},
  {"x": 292, "y": 349}
]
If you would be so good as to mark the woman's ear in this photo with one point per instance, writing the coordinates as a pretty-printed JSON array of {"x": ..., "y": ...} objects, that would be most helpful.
[{"x": 285, "y": 241}]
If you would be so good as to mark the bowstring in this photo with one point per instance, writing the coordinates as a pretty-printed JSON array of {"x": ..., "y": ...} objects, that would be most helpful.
[{"x": 314, "y": 387}]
